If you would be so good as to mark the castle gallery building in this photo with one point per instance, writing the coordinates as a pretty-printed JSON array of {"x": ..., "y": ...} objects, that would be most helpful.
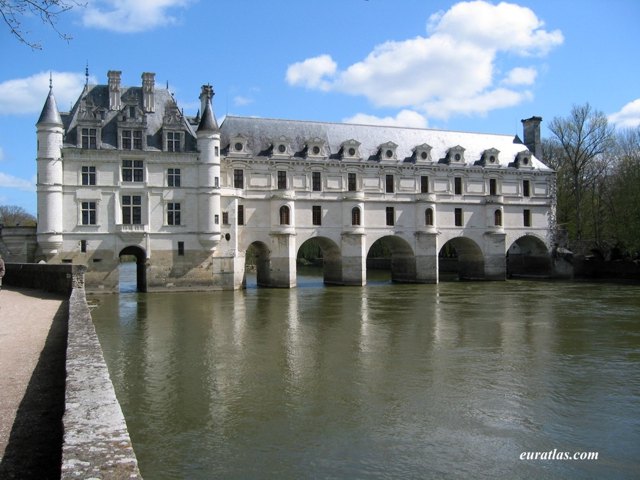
[{"x": 125, "y": 172}]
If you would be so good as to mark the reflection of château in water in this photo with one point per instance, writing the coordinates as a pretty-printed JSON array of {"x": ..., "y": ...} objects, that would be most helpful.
[{"x": 125, "y": 172}]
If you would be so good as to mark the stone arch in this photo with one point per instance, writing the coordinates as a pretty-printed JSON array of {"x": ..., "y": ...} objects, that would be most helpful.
[
  {"x": 141, "y": 265},
  {"x": 463, "y": 257},
  {"x": 401, "y": 258},
  {"x": 528, "y": 256},
  {"x": 331, "y": 259},
  {"x": 258, "y": 257}
]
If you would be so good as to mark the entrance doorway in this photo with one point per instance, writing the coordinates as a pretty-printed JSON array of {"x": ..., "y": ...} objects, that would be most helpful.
[{"x": 128, "y": 280}]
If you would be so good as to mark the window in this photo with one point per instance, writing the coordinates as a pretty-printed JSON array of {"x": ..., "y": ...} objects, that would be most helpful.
[
  {"x": 225, "y": 218},
  {"x": 389, "y": 184},
  {"x": 132, "y": 139},
  {"x": 526, "y": 218},
  {"x": 83, "y": 246},
  {"x": 173, "y": 214},
  {"x": 217, "y": 151},
  {"x": 391, "y": 216},
  {"x": 316, "y": 181},
  {"x": 428, "y": 217},
  {"x": 497, "y": 218},
  {"x": 526, "y": 188},
  {"x": 89, "y": 138},
  {"x": 174, "y": 141},
  {"x": 216, "y": 219},
  {"x": 285, "y": 215},
  {"x": 173, "y": 177},
  {"x": 316, "y": 213},
  {"x": 424, "y": 184},
  {"x": 355, "y": 216},
  {"x": 88, "y": 210},
  {"x": 240, "y": 215},
  {"x": 351, "y": 182},
  {"x": 458, "y": 217},
  {"x": 132, "y": 170},
  {"x": 181, "y": 249},
  {"x": 282, "y": 180},
  {"x": 216, "y": 182},
  {"x": 457, "y": 185},
  {"x": 88, "y": 175},
  {"x": 238, "y": 178},
  {"x": 493, "y": 186},
  {"x": 131, "y": 210}
]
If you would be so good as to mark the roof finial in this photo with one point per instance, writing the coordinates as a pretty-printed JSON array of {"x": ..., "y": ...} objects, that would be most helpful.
[
  {"x": 86, "y": 74},
  {"x": 50, "y": 81}
]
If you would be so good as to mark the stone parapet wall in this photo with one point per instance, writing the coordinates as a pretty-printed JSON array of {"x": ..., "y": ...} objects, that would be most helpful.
[{"x": 41, "y": 276}]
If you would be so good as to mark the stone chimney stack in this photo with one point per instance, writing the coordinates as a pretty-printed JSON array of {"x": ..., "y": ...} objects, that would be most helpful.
[
  {"x": 532, "y": 140},
  {"x": 115, "y": 102},
  {"x": 206, "y": 95},
  {"x": 148, "y": 91}
]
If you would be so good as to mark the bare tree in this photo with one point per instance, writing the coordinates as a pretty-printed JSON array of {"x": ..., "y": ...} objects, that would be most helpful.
[
  {"x": 13, "y": 216},
  {"x": 15, "y": 12}
]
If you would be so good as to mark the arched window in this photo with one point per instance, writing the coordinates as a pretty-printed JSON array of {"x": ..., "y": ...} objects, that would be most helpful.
[
  {"x": 497, "y": 218},
  {"x": 284, "y": 215},
  {"x": 355, "y": 216},
  {"x": 428, "y": 217}
]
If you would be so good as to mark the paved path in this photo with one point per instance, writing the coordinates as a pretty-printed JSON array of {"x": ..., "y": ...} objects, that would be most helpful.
[{"x": 32, "y": 345}]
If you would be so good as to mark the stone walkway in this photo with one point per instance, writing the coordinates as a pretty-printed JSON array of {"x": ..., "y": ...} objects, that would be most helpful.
[{"x": 33, "y": 328}]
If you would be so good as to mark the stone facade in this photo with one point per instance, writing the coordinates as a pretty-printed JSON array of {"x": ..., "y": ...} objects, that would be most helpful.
[{"x": 125, "y": 172}]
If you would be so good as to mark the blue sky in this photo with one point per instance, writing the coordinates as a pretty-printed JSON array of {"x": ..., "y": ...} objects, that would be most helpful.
[{"x": 476, "y": 66}]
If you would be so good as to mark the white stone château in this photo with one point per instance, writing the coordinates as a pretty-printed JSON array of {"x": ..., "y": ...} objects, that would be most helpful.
[{"x": 125, "y": 172}]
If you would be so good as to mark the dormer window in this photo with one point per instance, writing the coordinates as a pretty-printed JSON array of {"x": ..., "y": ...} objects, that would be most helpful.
[
  {"x": 89, "y": 138},
  {"x": 350, "y": 150},
  {"x": 239, "y": 146},
  {"x": 422, "y": 153},
  {"x": 281, "y": 147},
  {"x": 455, "y": 155},
  {"x": 490, "y": 158},
  {"x": 523, "y": 159},
  {"x": 387, "y": 151},
  {"x": 173, "y": 141},
  {"x": 131, "y": 139},
  {"x": 315, "y": 148}
]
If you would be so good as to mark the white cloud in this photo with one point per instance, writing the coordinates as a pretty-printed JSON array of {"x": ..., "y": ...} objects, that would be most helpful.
[
  {"x": 628, "y": 116},
  {"x": 453, "y": 66},
  {"x": 9, "y": 181},
  {"x": 1, "y": 154},
  {"x": 130, "y": 16},
  {"x": 404, "y": 118},
  {"x": 241, "y": 101},
  {"x": 27, "y": 95}
]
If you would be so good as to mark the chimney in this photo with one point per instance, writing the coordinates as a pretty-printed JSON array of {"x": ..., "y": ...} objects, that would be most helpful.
[
  {"x": 205, "y": 96},
  {"x": 148, "y": 90},
  {"x": 115, "y": 102},
  {"x": 531, "y": 130}
]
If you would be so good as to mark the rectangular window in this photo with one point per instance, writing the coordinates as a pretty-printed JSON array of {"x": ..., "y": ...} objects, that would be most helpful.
[
  {"x": 493, "y": 186},
  {"x": 88, "y": 175},
  {"x": 316, "y": 181},
  {"x": 181, "y": 249},
  {"x": 225, "y": 218},
  {"x": 216, "y": 182},
  {"x": 282, "y": 180},
  {"x": 240, "y": 214},
  {"x": 238, "y": 178},
  {"x": 216, "y": 219},
  {"x": 316, "y": 212},
  {"x": 174, "y": 141},
  {"x": 88, "y": 210},
  {"x": 389, "y": 186},
  {"x": 391, "y": 216},
  {"x": 132, "y": 210},
  {"x": 217, "y": 151},
  {"x": 83, "y": 246},
  {"x": 89, "y": 138},
  {"x": 526, "y": 188},
  {"x": 526, "y": 218},
  {"x": 457, "y": 185},
  {"x": 351, "y": 182},
  {"x": 132, "y": 170},
  {"x": 173, "y": 214},
  {"x": 132, "y": 139},
  {"x": 173, "y": 177},
  {"x": 458, "y": 217},
  {"x": 424, "y": 184}
]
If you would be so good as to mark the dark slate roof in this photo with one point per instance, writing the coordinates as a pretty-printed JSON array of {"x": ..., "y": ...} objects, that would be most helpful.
[
  {"x": 208, "y": 121},
  {"x": 262, "y": 132},
  {"x": 50, "y": 113}
]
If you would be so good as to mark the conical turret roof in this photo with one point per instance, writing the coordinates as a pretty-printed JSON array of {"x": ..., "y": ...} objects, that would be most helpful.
[
  {"x": 208, "y": 121},
  {"x": 50, "y": 113}
]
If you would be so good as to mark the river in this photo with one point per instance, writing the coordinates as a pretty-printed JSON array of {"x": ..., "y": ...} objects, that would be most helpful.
[{"x": 456, "y": 380}]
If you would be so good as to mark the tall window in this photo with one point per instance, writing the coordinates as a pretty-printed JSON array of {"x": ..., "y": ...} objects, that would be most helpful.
[
  {"x": 526, "y": 188},
  {"x": 391, "y": 216},
  {"x": 225, "y": 218},
  {"x": 457, "y": 185},
  {"x": 424, "y": 184},
  {"x": 493, "y": 186},
  {"x": 88, "y": 175},
  {"x": 132, "y": 170},
  {"x": 428, "y": 217},
  {"x": 282, "y": 180},
  {"x": 351, "y": 182},
  {"x": 174, "y": 141},
  {"x": 240, "y": 215},
  {"x": 238, "y": 178},
  {"x": 173, "y": 177},
  {"x": 181, "y": 249},
  {"x": 316, "y": 214},
  {"x": 88, "y": 210},
  {"x": 173, "y": 214},
  {"x": 132, "y": 139},
  {"x": 389, "y": 186},
  {"x": 526, "y": 218},
  {"x": 131, "y": 210},
  {"x": 355, "y": 216},
  {"x": 497, "y": 218},
  {"x": 316, "y": 181},
  {"x": 458, "y": 217},
  {"x": 89, "y": 138},
  {"x": 285, "y": 218}
]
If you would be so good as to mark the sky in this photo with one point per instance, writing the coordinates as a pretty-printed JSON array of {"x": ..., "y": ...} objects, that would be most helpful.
[{"x": 477, "y": 66}]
